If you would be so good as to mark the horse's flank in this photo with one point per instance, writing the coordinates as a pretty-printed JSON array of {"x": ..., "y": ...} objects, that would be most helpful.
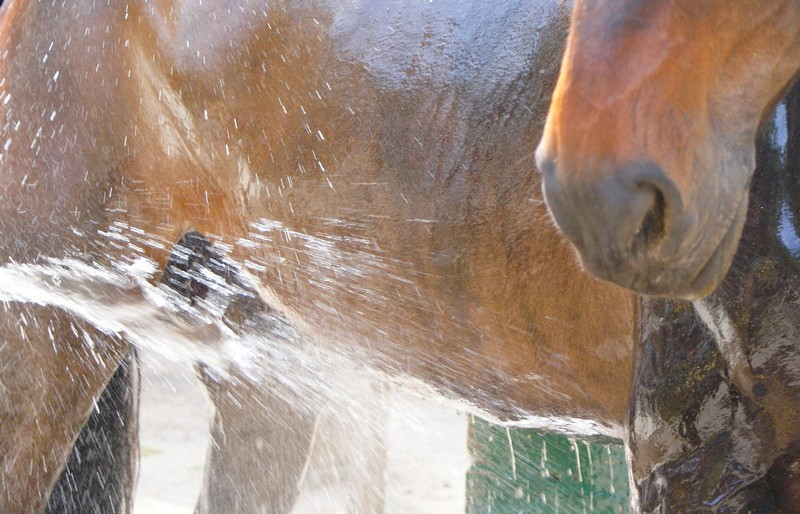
[{"x": 376, "y": 205}]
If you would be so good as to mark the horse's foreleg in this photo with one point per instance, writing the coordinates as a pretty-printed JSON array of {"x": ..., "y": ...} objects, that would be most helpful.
[
  {"x": 259, "y": 440},
  {"x": 272, "y": 451},
  {"x": 276, "y": 436},
  {"x": 699, "y": 441},
  {"x": 52, "y": 368},
  {"x": 259, "y": 444}
]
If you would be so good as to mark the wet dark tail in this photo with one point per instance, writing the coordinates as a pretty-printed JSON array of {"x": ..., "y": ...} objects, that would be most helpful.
[{"x": 100, "y": 475}]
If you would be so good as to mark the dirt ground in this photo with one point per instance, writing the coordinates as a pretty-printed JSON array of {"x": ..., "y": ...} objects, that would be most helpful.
[{"x": 426, "y": 445}]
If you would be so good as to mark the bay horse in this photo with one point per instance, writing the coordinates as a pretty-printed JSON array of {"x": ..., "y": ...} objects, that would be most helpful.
[
  {"x": 354, "y": 179},
  {"x": 651, "y": 170},
  {"x": 249, "y": 179}
]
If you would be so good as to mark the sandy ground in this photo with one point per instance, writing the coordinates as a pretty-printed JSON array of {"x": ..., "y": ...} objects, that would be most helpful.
[{"x": 426, "y": 445}]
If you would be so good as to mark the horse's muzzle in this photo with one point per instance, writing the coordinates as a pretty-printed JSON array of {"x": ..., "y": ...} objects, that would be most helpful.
[{"x": 627, "y": 225}]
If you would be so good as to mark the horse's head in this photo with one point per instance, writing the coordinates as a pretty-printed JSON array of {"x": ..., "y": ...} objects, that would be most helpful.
[{"x": 649, "y": 149}]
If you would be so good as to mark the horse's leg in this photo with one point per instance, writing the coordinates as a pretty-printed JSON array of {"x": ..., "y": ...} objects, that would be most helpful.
[
  {"x": 268, "y": 440},
  {"x": 259, "y": 444},
  {"x": 100, "y": 474},
  {"x": 695, "y": 438},
  {"x": 259, "y": 440},
  {"x": 52, "y": 368},
  {"x": 267, "y": 447}
]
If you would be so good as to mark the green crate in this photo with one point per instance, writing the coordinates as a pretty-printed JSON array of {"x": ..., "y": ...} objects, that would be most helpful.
[{"x": 518, "y": 470}]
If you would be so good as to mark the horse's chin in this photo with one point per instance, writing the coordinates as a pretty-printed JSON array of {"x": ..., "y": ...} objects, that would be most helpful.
[
  {"x": 716, "y": 268},
  {"x": 691, "y": 279}
]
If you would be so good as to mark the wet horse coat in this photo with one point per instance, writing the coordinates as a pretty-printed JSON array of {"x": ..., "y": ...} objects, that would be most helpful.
[{"x": 365, "y": 174}]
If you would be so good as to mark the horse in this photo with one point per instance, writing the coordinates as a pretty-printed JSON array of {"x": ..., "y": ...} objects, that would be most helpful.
[
  {"x": 650, "y": 169},
  {"x": 354, "y": 180},
  {"x": 252, "y": 183}
]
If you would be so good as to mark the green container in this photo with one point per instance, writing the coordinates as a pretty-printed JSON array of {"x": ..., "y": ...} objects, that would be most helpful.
[{"x": 518, "y": 470}]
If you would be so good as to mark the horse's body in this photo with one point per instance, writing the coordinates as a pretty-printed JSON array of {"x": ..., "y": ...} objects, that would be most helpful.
[{"x": 369, "y": 169}]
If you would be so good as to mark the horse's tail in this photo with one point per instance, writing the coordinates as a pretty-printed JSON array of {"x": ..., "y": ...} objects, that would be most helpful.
[{"x": 100, "y": 475}]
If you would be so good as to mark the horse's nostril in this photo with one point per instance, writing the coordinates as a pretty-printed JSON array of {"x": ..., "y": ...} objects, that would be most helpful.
[
  {"x": 644, "y": 207},
  {"x": 622, "y": 221},
  {"x": 545, "y": 163},
  {"x": 653, "y": 226}
]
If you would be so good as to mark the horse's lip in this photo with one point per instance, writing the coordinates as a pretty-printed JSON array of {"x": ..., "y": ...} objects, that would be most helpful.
[
  {"x": 685, "y": 282},
  {"x": 713, "y": 272}
]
